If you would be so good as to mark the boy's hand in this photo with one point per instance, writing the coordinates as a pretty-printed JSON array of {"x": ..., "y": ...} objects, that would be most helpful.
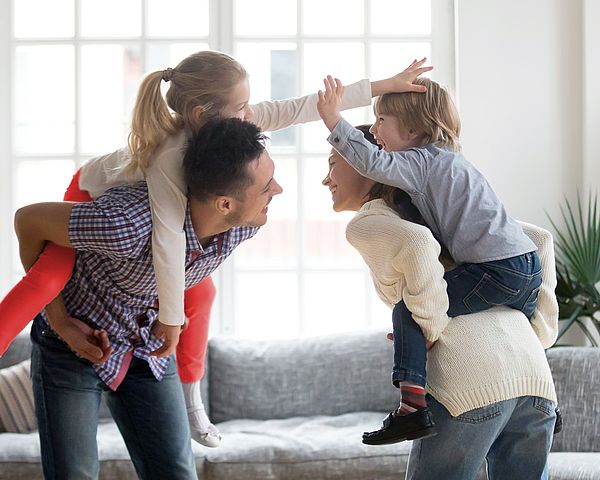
[
  {"x": 329, "y": 102},
  {"x": 170, "y": 335},
  {"x": 403, "y": 81}
]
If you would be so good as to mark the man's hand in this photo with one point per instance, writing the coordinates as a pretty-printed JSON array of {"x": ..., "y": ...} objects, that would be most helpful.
[
  {"x": 329, "y": 102},
  {"x": 87, "y": 342},
  {"x": 170, "y": 335},
  {"x": 403, "y": 81}
]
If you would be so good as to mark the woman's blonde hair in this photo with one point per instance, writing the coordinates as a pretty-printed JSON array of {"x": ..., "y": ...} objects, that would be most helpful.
[
  {"x": 432, "y": 115},
  {"x": 202, "y": 80}
]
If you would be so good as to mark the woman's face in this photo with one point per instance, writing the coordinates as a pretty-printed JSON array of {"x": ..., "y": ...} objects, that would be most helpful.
[
  {"x": 348, "y": 187},
  {"x": 237, "y": 104}
]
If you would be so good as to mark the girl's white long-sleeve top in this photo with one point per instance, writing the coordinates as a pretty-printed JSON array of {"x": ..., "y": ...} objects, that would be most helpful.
[
  {"x": 477, "y": 359},
  {"x": 168, "y": 193}
]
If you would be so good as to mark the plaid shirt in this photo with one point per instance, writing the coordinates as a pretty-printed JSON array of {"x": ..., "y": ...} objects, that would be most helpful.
[{"x": 113, "y": 286}]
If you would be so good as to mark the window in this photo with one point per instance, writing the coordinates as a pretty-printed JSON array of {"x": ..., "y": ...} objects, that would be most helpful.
[{"x": 73, "y": 83}]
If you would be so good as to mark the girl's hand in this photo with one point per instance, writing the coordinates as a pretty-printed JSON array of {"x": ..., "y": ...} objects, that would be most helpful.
[
  {"x": 170, "y": 335},
  {"x": 403, "y": 81},
  {"x": 329, "y": 102}
]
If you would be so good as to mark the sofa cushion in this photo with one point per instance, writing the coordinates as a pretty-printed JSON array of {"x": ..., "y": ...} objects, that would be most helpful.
[
  {"x": 574, "y": 466},
  {"x": 329, "y": 375},
  {"x": 576, "y": 372},
  {"x": 304, "y": 447},
  {"x": 19, "y": 350},
  {"x": 16, "y": 399}
]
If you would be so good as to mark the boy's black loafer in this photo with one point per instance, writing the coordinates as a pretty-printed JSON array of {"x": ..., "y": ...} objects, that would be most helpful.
[{"x": 397, "y": 428}]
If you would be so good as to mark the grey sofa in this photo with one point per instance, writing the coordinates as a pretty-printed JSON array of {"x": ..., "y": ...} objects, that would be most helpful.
[{"x": 297, "y": 409}]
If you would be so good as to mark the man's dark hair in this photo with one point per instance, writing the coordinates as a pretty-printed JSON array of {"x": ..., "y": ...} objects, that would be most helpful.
[{"x": 217, "y": 157}]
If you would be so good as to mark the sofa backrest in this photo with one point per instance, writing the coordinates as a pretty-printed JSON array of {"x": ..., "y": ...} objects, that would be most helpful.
[
  {"x": 328, "y": 375},
  {"x": 576, "y": 372}
]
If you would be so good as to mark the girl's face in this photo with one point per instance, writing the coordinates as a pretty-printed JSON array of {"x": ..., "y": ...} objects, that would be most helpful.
[
  {"x": 237, "y": 104},
  {"x": 348, "y": 187},
  {"x": 392, "y": 136}
]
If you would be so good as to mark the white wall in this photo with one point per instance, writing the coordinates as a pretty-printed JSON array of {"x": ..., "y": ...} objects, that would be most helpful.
[{"x": 520, "y": 84}]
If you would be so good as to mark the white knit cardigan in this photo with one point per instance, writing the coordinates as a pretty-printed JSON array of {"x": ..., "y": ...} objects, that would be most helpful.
[{"x": 477, "y": 359}]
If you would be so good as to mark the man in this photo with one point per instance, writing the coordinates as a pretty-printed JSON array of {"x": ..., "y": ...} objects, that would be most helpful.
[{"x": 230, "y": 181}]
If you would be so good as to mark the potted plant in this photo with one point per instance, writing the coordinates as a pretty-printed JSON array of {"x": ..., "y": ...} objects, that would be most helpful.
[{"x": 578, "y": 268}]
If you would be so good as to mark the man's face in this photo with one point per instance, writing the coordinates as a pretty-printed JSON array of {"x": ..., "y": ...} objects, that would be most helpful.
[{"x": 252, "y": 210}]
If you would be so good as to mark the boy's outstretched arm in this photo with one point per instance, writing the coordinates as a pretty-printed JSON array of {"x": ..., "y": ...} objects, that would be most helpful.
[{"x": 329, "y": 101}]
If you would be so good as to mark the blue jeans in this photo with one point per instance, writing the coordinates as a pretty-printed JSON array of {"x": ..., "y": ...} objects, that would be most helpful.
[
  {"x": 472, "y": 287},
  {"x": 150, "y": 414},
  {"x": 513, "y": 437}
]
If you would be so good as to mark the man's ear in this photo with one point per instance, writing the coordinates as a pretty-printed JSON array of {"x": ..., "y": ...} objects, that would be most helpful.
[{"x": 223, "y": 205}]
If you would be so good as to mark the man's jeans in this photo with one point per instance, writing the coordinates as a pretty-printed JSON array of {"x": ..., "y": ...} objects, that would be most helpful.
[
  {"x": 513, "y": 436},
  {"x": 472, "y": 287},
  {"x": 150, "y": 415}
]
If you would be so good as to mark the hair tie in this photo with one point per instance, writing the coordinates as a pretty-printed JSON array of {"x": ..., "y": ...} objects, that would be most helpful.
[{"x": 167, "y": 74}]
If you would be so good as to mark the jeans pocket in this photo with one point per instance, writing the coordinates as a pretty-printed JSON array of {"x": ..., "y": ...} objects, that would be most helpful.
[
  {"x": 544, "y": 405},
  {"x": 490, "y": 292},
  {"x": 480, "y": 415}
]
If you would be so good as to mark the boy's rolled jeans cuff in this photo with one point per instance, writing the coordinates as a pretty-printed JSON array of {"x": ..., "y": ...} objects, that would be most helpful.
[{"x": 403, "y": 375}]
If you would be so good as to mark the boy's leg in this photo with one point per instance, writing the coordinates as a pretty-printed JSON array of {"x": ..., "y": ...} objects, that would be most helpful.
[
  {"x": 152, "y": 419},
  {"x": 522, "y": 449},
  {"x": 411, "y": 419},
  {"x": 458, "y": 451},
  {"x": 67, "y": 394}
]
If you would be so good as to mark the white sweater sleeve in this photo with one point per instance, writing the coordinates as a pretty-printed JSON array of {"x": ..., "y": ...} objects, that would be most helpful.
[
  {"x": 406, "y": 255},
  {"x": 545, "y": 317},
  {"x": 278, "y": 114},
  {"x": 168, "y": 203}
]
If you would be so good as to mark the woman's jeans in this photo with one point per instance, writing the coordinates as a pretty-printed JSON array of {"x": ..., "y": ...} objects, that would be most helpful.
[
  {"x": 512, "y": 436},
  {"x": 151, "y": 415},
  {"x": 472, "y": 287}
]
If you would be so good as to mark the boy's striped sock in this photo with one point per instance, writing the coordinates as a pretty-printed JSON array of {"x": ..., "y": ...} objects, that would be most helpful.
[{"x": 413, "y": 398}]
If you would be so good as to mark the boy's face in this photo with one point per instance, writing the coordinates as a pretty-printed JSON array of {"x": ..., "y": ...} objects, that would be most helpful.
[
  {"x": 252, "y": 210},
  {"x": 392, "y": 136}
]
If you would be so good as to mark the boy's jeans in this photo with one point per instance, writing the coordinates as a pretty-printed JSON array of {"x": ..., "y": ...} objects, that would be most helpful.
[
  {"x": 513, "y": 436},
  {"x": 472, "y": 287},
  {"x": 150, "y": 414}
]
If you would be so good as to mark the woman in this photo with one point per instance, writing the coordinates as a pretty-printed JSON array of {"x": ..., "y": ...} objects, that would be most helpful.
[{"x": 487, "y": 406}]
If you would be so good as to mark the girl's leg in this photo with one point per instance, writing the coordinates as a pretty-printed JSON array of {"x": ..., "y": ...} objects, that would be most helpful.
[
  {"x": 191, "y": 354},
  {"x": 41, "y": 284}
]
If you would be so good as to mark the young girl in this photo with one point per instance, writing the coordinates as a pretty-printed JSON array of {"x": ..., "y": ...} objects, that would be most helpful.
[
  {"x": 497, "y": 263},
  {"x": 203, "y": 86}
]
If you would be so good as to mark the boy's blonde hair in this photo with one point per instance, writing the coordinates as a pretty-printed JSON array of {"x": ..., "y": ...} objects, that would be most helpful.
[
  {"x": 203, "y": 79},
  {"x": 432, "y": 114}
]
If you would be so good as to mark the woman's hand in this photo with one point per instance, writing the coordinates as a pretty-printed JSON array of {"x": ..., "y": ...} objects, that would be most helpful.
[{"x": 403, "y": 81}]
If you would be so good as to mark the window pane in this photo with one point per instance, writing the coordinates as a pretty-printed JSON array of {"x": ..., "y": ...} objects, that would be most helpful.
[
  {"x": 266, "y": 305},
  {"x": 325, "y": 238},
  {"x": 178, "y": 18},
  {"x": 335, "y": 302},
  {"x": 400, "y": 17},
  {"x": 163, "y": 55},
  {"x": 275, "y": 245},
  {"x": 333, "y": 17},
  {"x": 44, "y": 104},
  {"x": 111, "y": 18},
  {"x": 110, "y": 76},
  {"x": 32, "y": 18},
  {"x": 265, "y": 17},
  {"x": 273, "y": 71},
  {"x": 402, "y": 53}
]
